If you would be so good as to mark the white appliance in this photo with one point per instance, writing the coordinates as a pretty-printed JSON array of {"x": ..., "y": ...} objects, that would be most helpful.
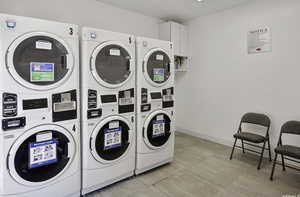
[
  {"x": 108, "y": 110},
  {"x": 155, "y": 103},
  {"x": 40, "y": 130}
]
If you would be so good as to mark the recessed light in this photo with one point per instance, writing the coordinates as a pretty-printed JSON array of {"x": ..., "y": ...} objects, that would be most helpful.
[{"x": 200, "y": 0}]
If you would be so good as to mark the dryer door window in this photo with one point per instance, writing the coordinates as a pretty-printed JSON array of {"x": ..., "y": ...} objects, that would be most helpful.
[
  {"x": 158, "y": 67},
  {"x": 38, "y": 160},
  {"x": 41, "y": 60},
  {"x": 112, "y": 64},
  {"x": 159, "y": 130},
  {"x": 112, "y": 140}
]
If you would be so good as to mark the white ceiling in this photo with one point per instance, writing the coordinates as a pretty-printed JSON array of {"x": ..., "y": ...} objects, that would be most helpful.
[{"x": 177, "y": 10}]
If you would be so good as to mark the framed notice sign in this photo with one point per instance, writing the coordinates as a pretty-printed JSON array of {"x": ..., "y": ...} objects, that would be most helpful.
[{"x": 259, "y": 40}]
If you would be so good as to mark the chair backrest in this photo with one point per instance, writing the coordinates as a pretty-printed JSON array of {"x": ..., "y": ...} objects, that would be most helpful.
[
  {"x": 291, "y": 127},
  {"x": 257, "y": 119}
]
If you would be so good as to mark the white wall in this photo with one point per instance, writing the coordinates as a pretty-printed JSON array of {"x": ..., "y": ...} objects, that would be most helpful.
[
  {"x": 84, "y": 12},
  {"x": 224, "y": 82}
]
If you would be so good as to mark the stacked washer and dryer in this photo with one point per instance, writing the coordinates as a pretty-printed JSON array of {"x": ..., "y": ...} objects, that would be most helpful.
[
  {"x": 42, "y": 145},
  {"x": 40, "y": 125},
  {"x": 108, "y": 108},
  {"x": 155, "y": 103}
]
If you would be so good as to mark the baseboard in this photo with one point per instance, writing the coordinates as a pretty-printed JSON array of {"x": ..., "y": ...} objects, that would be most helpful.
[
  {"x": 213, "y": 139},
  {"x": 205, "y": 137}
]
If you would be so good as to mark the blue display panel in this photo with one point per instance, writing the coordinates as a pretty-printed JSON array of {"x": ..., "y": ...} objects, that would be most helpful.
[
  {"x": 42, "y": 153},
  {"x": 112, "y": 138}
]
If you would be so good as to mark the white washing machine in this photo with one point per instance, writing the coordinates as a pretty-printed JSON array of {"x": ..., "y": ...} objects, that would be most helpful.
[
  {"x": 155, "y": 103},
  {"x": 108, "y": 108},
  {"x": 40, "y": 130}
]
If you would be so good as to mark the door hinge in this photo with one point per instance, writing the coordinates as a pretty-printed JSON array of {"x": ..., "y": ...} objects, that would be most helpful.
[{"x": 71, "y": 31}]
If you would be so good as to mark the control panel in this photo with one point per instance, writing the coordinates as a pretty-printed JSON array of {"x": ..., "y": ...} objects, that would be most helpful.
[
  {"x": 109, "y": 104},
  {"x": 126, "y": 101},
  {"x": 145, "y": 106},
  {"x": 168, "y": 97},
  {"x": 93, "y": 112},
  {"x": 10, "y": 105},
  {"x": 156, "y": 100},
  {"x": 92, "y": 99},
  {"x": 64, "y": 106}
]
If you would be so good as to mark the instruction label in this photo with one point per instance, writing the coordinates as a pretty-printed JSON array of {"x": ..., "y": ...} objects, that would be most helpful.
[
  {"x": 160, "y": 57},
  {"x": 158, "y": 74},
  {"x": 158, "y": 126},
  {"x": 42, "y": 153},
  {"x": 41, "y": 72},
  {"x": 115, "y": 52},
  {"x": 41, "y": 44},
  {"x": 112, "y": 138}
]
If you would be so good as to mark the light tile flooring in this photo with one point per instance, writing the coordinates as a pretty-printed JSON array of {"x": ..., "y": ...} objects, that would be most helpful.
[{"x": 202, "y": 168}]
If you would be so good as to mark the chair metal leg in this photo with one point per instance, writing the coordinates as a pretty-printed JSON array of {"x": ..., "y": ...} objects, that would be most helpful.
[
  {"x": 243, "y": 146},
  {"x": 261, "y": 156},
  {"x": 233, "y": 149},
  {"x": 270, "y": 154},
  {"x": 283, "y": 163},
  {"x": 274, "y": 165}
]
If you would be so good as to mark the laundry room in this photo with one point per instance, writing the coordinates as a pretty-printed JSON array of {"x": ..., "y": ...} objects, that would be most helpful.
[{"x": 187, "y": 98}]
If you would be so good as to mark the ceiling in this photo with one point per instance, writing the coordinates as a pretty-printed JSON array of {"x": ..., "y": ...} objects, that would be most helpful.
[{"x": 177, "y": 10}]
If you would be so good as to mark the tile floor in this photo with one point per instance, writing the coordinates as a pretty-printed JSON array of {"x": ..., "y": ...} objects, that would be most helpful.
[{"x": 202, "y": 168}]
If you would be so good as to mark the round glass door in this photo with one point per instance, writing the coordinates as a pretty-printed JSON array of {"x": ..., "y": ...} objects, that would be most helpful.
[
  {"x": 111, "y": 64},
  {"x": 157, "y": 67},
  {"x": 41, "y": 155},
  {"x": 40, "y": 61},
  {"x": 111, "y": 139},
  {"x": 158, "y": 129}
]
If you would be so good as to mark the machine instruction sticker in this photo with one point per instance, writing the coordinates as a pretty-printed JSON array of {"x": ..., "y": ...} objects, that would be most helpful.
[
  {"x": 41, "y": 72},
  {"x": 158, "y": 128},
  {"x": 112, "y": 138},
  {"x": 160, "y": 57},
  {"x": 115, "y": 52},
  {"x": 114, "y": 124},
  {"x": 42, "y": 153},
  {"x": 44, "y": 136},
  {"x": 41, "y": 44},
  {"x": 158, "y": 74}
]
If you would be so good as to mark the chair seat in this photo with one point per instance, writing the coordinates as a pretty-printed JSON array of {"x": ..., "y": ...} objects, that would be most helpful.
[
  {"x": 287, "y": 150},
  {"x": 251, "y": 137}
]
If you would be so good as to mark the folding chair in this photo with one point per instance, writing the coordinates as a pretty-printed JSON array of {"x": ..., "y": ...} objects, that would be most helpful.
[
  {"x": 253, "y": 139},
  {"x": 292, "y": 152}
]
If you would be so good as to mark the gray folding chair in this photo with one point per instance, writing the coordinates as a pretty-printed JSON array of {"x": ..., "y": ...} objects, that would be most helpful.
[
  {"x": 290, "y": 151},
  {"x": 253, "y": 139}
]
